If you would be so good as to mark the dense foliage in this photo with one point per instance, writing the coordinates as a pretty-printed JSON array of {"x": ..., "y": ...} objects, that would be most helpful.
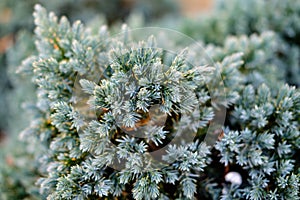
[{"x": 147, "y": 116}]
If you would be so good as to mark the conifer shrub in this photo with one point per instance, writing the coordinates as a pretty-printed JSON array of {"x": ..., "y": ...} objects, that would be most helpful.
[
  {"x": 18, "y": 172},
  {"x": 120, "y": 117},
  {"x": 16, "y": 18}
]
